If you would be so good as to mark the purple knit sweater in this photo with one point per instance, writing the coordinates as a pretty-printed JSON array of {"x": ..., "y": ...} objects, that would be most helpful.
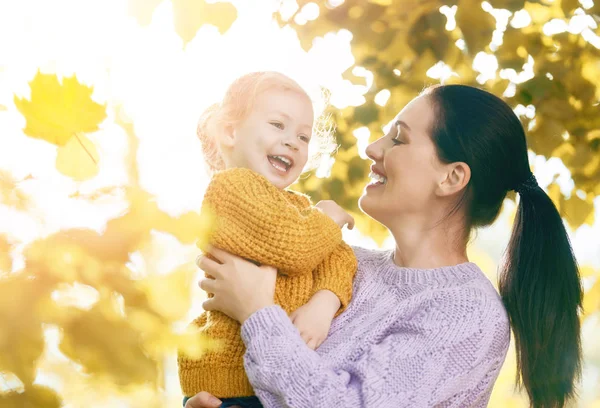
[{"x": 409, "y": 338}]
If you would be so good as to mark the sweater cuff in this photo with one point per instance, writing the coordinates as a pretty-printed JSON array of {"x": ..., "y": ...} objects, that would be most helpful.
[{"x": 264, "y": 325}]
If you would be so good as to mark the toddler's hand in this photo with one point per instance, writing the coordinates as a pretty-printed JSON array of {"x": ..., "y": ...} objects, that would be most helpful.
[
  {"x": 313, "y": 319},
  {"x": 336, "y": 213}
]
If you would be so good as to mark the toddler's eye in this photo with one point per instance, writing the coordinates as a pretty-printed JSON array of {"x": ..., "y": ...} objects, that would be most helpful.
[
  {"x": 278, "y": 125},
  {"x": 304, "y": 138}
]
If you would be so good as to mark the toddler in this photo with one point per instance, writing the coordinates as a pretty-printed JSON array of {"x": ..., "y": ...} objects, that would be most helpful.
[{"x": 256, "y": 144}]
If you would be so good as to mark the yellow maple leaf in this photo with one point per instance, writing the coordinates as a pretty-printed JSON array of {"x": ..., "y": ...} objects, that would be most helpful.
[{"x": 56, "y": 112}]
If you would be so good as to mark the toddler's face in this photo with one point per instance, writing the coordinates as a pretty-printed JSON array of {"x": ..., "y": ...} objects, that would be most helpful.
[{"x": 273, "y": 140}]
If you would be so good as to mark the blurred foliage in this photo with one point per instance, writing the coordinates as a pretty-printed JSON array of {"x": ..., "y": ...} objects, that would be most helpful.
[
  {"x": 399, "y": 40},
  {"x": 115, "y": 322},
  {"x": 188, "y": 15}
]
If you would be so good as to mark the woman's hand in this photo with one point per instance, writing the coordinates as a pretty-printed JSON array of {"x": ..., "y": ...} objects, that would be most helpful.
[
  {"x": 240, "y": 287},
  {"x": 203, "y": 400}
]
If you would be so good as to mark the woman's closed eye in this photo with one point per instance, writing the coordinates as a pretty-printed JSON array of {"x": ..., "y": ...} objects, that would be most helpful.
[{"x": 396, "y": 138}]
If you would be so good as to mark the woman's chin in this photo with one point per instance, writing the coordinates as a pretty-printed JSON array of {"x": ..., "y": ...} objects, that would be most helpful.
[
  {"x": 365, "y": 203},
  {"x": 371, "y": 206}
]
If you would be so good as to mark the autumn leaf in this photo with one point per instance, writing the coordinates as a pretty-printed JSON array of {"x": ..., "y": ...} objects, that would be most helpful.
[
  {"x": 85, "y": 341},
  {"x": 78, "y": 158},
  {"x": 5, "y": 257},
  {"x": 142, "y": 10},
  {"x": 187, "y": 228},
  {"x": 56, "y": 112},
  {"x": 578, "y": 211},
  {"x": 98, "y": 194},
  {"x": 476, "y": 25},
  {"x": 169, "y": 293},
  {"x": 188, "y": 15},
  {"x": 21, "y": 325},
  {"x": 591, "y": 299},
  {"x": 11, "y": 193},
  {"x": 34, "y": 397}
]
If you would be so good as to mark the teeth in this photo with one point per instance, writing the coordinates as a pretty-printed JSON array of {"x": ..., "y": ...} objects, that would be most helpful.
[
  {"x": 284, "y": 159},
  {"x": 378, "y": 178}
]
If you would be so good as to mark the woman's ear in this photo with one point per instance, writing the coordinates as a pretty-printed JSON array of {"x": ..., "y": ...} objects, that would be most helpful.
[{"x": 456, "y": 177}]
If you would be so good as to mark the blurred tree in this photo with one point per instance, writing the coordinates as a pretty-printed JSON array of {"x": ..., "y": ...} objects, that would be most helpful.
[{"x": 399, "y": 40}]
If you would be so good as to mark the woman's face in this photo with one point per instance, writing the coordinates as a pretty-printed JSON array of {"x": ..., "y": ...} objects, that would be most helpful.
[{"x": 406, "y": 169}]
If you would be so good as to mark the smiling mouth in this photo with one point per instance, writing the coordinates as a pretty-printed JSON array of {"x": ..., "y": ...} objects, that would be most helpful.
[
  {"x": 378, "y": 179},
  {"x": 281, "y": 163}
]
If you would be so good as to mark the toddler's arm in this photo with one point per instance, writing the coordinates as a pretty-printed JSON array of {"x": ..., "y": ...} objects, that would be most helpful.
[
  {"x": 336, "y": 274},
  {"x": 313, "y": 319},
  {"x": 332, "y": 292},
  {"x": 257, "y": 221}
]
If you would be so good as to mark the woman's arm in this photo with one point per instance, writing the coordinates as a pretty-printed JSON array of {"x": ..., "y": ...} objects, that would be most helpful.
[
  {"x": 409, "y": 367},
  {"x": 257, "y": 221},
  {"x": 447, "y": 350}
]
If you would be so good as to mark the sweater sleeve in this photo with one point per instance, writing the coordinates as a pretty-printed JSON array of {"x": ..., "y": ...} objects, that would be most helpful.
[
  {"x": 257, "y": 221},
  {"x": 409, "y": 367},
  {"x": 336, "y": 273}
]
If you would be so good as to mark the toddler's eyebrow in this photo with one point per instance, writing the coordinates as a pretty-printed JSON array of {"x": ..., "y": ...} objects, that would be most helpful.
[
  {"x": 288, "y": 117},
  {"x": 280, "y": 113}
]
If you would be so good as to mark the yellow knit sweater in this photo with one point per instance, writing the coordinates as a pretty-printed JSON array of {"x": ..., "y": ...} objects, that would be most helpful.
[{"x": 257, "y": 221}]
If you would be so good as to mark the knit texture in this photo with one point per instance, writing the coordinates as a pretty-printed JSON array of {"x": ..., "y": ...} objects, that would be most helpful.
[
  {"x": 259, "y": 222},
  {"x": 409, "y": 338}
]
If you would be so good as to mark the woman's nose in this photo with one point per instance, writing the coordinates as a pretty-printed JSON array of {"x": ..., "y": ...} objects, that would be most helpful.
[{"x": 374, "y": 151}]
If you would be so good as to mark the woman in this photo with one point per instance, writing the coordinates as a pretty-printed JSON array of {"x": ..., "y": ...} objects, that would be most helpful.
[{"x": 425, "y": 327}]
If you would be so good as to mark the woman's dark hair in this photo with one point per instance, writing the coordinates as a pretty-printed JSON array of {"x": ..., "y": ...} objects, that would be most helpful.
[{"x": 539, "y": 279}]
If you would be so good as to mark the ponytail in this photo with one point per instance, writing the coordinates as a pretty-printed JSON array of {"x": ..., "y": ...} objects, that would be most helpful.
[
  {"x": 540, "y": 287},
  {"x": 206, "y": 132}
]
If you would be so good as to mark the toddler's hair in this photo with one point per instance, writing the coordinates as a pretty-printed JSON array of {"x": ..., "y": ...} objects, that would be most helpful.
[{"x": 237, "y": 104}]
